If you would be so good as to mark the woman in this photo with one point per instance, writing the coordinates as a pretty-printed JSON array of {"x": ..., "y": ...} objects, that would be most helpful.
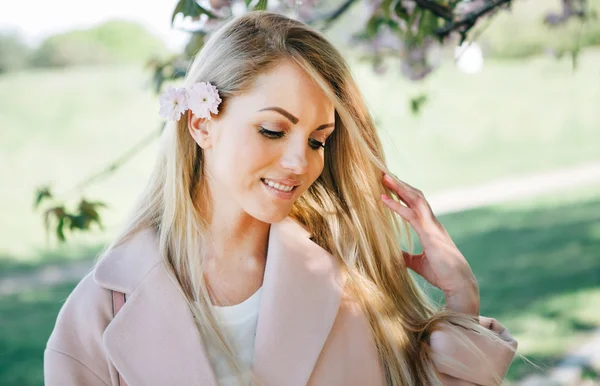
[{"x": 265, "y": 248}]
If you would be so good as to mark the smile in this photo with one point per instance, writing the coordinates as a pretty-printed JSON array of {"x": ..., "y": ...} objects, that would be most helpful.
[{"x": 279, "y": 187}]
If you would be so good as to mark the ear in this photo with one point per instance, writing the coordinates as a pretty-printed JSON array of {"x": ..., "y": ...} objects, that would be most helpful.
[{"x": 199, "y": 130}]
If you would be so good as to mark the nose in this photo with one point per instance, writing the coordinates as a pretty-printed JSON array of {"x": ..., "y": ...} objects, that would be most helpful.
[{"x": 295, "y": 158}]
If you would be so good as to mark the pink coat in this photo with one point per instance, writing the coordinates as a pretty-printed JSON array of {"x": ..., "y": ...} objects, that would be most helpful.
[{"x": 309, "y": 331}]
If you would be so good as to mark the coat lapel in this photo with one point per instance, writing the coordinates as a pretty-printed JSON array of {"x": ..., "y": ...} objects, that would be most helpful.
[
  {"x": 153, "y": 340},
  {"x": 302, "y": 291}
]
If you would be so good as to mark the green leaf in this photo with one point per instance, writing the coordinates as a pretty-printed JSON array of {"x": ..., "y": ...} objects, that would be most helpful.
[
  {"x": 400, "y": 11},
  {"x": 79, "y": 221},
  {"x": 41, "y": 193},
  {"x": 207, "y": 12},
  {"x": 88, "y": 213},
  {"x": 191, "y": 8},
  {"x": 416, "y": 103},
  {"x": 385, "y": 8},
  {"x": 428, "y": 24},
  {"x": 59, "y": 229},
  {"x": 194, "y": 44},
  {"x": 373, "y": 26},
  {"x": 58, "y": 212},
  {"x": 261, "y": 5}
]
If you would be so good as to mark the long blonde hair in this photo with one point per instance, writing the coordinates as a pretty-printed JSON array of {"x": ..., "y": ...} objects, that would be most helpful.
[{"x": 340, "y": 209}]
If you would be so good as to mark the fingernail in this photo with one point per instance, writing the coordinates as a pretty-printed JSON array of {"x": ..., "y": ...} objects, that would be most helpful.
[{"x": 385, "y": 198}]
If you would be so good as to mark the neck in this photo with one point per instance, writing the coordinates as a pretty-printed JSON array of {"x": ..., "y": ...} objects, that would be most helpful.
[
  {"x": 237, "y": 238},
  {"x": 236, "y": 258}
]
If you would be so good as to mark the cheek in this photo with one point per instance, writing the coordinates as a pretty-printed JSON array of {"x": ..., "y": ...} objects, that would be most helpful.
[{"x": 241, "y": 156}]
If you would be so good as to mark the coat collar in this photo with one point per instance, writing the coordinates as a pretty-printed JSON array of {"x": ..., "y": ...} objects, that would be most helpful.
[{"x": 154, "y": 340}]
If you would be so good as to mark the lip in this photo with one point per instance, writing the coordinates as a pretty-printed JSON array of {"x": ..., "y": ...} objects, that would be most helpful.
[{"x": 278, "y": 193}]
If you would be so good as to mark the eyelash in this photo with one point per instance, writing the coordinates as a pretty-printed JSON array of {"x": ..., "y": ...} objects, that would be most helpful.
[{"x": 314, "y": 144}]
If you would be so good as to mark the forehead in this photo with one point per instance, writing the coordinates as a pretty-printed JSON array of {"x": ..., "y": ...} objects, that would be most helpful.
[{"x": 288, "y": 86}]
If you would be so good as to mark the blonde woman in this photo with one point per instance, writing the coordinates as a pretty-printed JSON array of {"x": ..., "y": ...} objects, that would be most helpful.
[{"x": 264, "y": 250}]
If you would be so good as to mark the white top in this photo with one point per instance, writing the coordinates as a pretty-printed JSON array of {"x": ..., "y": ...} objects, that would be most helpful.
[{"x": 239, "y": 323}]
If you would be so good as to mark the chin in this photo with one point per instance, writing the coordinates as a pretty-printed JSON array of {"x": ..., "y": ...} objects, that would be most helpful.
[{"x": 269, "y": 218}]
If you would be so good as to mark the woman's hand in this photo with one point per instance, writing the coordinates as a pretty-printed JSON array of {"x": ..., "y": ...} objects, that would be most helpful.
[{"x": 441, "y": 263}]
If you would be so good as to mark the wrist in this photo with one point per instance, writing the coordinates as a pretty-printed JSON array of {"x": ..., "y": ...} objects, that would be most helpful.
[{"x": 465, "y": 300}]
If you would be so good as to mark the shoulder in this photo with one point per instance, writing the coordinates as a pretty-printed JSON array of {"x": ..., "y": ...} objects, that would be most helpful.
[
  {"x": 125, "y": 265},
  {"x": 88, "y": 310},
  {"x": 76, "y": 340},
  {"x": 83, "y": 317}
]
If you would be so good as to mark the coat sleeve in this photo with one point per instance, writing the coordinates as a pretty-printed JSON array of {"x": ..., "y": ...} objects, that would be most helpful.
[
  {"x": 472, "y": 371},
  {"x": 74, "y": 352}
]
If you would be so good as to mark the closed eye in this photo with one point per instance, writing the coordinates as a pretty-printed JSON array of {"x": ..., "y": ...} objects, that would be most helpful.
[
  {"x": 271, "y": 134},
  {"x": 313, "y": 143}
]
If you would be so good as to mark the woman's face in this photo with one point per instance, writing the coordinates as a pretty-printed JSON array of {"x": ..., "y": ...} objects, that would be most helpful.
[{"x": 267, "y": 142}]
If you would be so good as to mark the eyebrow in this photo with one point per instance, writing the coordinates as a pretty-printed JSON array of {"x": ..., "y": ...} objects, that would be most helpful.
[{"x": 292, "y": 118}]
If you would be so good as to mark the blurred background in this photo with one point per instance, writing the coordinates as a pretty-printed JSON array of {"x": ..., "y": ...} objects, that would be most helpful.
[{"x": 490, "y": 107}]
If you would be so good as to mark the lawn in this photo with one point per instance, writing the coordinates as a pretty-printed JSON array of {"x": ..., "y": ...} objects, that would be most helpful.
[
  {"x": 26, "y": 323},
  {"x": 538, "y": 267},
  {"x": 536, "y": 262}
]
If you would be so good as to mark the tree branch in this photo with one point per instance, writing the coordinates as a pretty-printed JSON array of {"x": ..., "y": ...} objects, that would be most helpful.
[
  {"x": 435, "y": 8},
  {"x": 116, "y": 164},
  {"x": 468, "y": 20}
]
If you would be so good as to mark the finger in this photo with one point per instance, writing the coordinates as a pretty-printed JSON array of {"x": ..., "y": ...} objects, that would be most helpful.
[
  {"x": 412, "y": 255},
  {"x": 402, "y": 184},
  {"x": 408, "y": 194},
  {"x": 413, "y": 197},
  {"x": 413, "y": 262},
  {"x": 404, "y": 211}
]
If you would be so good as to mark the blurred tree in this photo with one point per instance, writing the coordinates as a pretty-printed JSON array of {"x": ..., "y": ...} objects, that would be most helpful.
[
  {"x": 107, "y": 43},
  {"x": 70, "y": 49},
  {"x": 14, "y": 52},
  {"x": 531, "y": 34},
  {"x": 410, "y": 30}
]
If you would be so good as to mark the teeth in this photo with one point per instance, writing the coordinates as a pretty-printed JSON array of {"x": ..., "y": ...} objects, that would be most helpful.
[{"x": 283, "y": 188}]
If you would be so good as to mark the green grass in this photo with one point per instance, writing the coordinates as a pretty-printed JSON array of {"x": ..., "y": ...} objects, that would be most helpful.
[
  {"x": 27, "y": 321},
  {"x": 62, "y": 126},
  {"x": 538, "y": 269},
  {"x": 536, "y": 262},
  {"x": 52, "y": 257}
]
